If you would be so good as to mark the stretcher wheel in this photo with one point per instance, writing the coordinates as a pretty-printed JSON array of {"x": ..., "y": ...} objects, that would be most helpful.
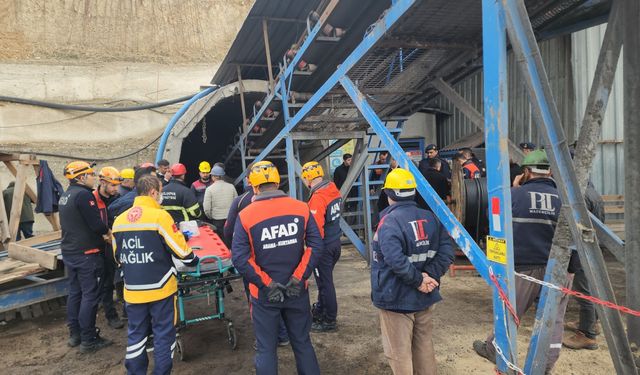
[
  {"x": 180, "y": 348},
  {"x": 231, "y": 334}
]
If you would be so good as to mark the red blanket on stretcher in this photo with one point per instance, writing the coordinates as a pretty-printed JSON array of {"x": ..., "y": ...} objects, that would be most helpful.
[{"x": 208, "y": 243}]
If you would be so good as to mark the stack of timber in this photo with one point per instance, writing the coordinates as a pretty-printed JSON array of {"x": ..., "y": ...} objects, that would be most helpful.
[{"x": 32, "y": 280}]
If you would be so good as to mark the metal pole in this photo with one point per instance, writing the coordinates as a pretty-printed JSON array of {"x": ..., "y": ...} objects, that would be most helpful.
[
  {"x": 455, "y": 229},
  {"x": 267, "y": 50},
  {"x": 546, "y": 115},
  {"x": 590, "y": 133},
  {"x": 496, "y": 133},
  {"x": 289, "y": 151},
  {"x": 631, "y": 69},
  {"x": 393, "y": 14},
  {"x": 242, "y": 104}
]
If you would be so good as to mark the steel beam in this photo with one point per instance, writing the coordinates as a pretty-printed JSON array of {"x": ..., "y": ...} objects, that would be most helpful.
[
  {"x": 472, "y": 114},
  {"x": 321, "y": 134},
  {"x": 631, "y": 61},
  {"x": 496, "y": 135},
  {"x": 546, "y": 115},
  {"x": 455, "y": 229},
  {"x": 420, "y": 43},
  {"x": 392, "y": 15},
  {"x": 608, "y": 239},
  {"x": 590, "y": 133}
]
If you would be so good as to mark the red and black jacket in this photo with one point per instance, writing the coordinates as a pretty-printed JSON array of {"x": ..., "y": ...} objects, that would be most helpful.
[
  {"x": 275, "y": 238},
  {"x": 324, "y": 203}
]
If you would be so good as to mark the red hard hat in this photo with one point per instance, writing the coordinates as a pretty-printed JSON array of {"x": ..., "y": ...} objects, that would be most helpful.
[{"x": 178, "y": 169}]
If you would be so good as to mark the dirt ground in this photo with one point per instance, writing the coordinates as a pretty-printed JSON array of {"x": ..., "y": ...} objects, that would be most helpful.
[{"x": 39, "y": 346}]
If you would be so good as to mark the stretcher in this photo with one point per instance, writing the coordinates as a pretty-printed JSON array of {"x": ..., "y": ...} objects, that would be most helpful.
[{"x": 210, "y": 279}]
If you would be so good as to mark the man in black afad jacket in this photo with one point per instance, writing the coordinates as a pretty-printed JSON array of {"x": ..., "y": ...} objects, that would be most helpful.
[
  {"x": 535, "y": 204},
  {"x": 83, "y": 240}
]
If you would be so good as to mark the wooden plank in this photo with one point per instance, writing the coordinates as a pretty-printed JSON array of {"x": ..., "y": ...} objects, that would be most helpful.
[
  {"x": 41, "y": 238},
  {"x": 27, "y": 254},
  {"x": 14, "y": 172},
  {"x": 610, "y": 198},
  {"x": 16, "y": 203},
  {"x": 4, "y": 223},
  {"x": 613, "y": 209},
  {"x": 11, "y": 269}
]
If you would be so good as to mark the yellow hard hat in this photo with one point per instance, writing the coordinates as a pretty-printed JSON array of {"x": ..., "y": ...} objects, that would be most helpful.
[
  {"x": 127, "y": 173},
  {"x": 263, "y": 172},
  {"x": 399, "y": 179},
  {"x": 78, "y": 168},
  {"x": 110, "y": 175},
  {"x": 204, "y": 167},
  {"x": 312, "y": 170}
]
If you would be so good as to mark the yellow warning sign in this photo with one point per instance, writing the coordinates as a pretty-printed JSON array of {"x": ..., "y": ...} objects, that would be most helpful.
[{"x": 497, "y": 249}]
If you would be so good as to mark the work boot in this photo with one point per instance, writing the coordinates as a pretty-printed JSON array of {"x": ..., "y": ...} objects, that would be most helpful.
[
  {"x": 316, "y": 313},
  {"x": 580, "y": 341},
  {"x": 574, "y": 326},
  {"x": 115, "y": 322},
  {"x": 480, "y": 348},
  {"x": 324, "y": 326},
  {"x": 95, "y": 345},
  {"x": 74, "y": 339}
]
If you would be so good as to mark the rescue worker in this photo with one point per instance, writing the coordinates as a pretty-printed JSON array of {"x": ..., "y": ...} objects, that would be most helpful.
[
  {"x": 276, "y": 246},
  {"x": 432, "y": 153},
  {"x": 470, "y": 169},
  {"x": 324, "y": 203},
  {"x": 107, "y": 191},
  {"x": 437, "y": 180},
  {"x": 146, "y": 241},
  {"x": 218, "y": 199},
  {"x": 535, "y": 206},
  {"x": 83, "y": 240},
  {"x": 178, "y": 199},
  {"x": 527, "y": 147},
  {"x": 411, "y": 252},
  {"x": 240, "y": 203},
  {"x": 164, "y": 171},
  {"x": 201, "y": 184},
  {"x": 127, "y": 183}
]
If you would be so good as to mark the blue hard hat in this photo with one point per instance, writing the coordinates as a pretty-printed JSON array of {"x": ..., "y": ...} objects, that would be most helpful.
[{"x": 217, "y": 171}]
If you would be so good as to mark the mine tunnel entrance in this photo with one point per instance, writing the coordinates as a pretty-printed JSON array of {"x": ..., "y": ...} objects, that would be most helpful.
[{"x": 211, "y": 138}]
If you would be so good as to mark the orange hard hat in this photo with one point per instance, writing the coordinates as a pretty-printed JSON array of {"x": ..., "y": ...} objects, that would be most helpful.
[
  {"x": 78, "y": 168},
  {"x": 178, "y": 169},
  {"x": 110, "y": 175}
]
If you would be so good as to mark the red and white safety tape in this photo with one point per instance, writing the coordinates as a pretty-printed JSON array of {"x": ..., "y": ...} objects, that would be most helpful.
[{"x": 570, "y": 292}]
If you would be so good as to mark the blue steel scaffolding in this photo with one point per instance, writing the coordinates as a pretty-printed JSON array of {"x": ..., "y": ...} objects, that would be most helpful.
[{"x": 499, "y": 19}]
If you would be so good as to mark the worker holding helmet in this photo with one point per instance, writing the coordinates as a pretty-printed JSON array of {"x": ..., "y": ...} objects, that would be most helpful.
[
  {"x": 127, "y": 183},
  {"x": 83, "y": 242},
  {"x": 276, "y": 246},
  {"x": 178, "y": 199},
  {"x": 324, "y": 203},
  {"x": 411, "y": 252},
  {"x": 201, "y": 184}
]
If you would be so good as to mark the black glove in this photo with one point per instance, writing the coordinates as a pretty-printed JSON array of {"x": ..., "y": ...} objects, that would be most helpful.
[
  {"x": 293, "y": 288},
  {"x": 275, "y": 293}
]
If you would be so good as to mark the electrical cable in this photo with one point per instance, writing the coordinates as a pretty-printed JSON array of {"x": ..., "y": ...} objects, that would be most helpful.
[
  {"x": 72, "y": 107},
  {"x": 85, "y": 158}
]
